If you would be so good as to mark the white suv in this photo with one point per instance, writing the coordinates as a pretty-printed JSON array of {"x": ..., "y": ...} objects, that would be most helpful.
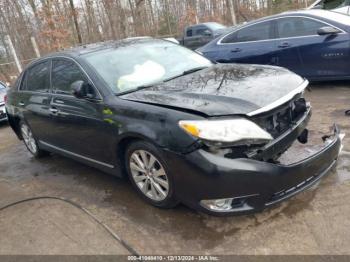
[
  {"x": 3, "y": 89},
  {"x": 341, "y": 6}
]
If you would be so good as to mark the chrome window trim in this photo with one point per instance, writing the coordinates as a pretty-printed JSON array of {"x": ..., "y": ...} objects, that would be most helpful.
[
  {"x": 77, "y": 155},
  {"x": 25, "y": 79},
  {"x": 219, "y": 42},
  {"x": 83, "y": 71},
  {"x": 282, "y": 100},
  {"x": 51, "y": 90}
]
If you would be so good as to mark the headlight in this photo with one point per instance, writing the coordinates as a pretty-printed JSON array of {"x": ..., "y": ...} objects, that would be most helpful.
[{"x": 226, "y": 131}]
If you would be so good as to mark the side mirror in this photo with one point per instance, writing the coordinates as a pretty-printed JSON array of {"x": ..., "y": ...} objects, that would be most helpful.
[
  {"x": 328, "y": 30},
  {"x": 81, "y": 90}
]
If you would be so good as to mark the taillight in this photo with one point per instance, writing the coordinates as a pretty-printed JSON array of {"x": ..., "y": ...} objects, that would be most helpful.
[{"x": 5, "y": 99}]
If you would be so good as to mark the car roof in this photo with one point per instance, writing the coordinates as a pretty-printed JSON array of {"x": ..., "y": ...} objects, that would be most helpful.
[
  {"x": 323, "y": 14},
  {"x": 317, "y": 13},
  {"x": 80, "y": 50},
  {"x": 94, "y": 47},
  {"x": 209, "y": 24}
]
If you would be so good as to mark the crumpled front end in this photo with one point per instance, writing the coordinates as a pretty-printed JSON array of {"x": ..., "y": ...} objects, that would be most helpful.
[
  {"x": 221, "y": 186},
  {"x": 250, "y": 178}
]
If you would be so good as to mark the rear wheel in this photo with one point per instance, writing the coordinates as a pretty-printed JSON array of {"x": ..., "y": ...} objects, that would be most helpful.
[
  {"x": 149, "y": 174},
  {"x": 30, "y": 142}
]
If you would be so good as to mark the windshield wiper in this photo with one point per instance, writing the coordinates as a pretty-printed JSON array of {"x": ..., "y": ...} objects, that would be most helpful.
[
  {"x": 187, "y": 72},
  {"x": 137, "y": 89}
]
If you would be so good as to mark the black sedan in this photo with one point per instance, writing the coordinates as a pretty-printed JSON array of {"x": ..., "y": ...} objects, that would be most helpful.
[{"x": 182, "y": 128}]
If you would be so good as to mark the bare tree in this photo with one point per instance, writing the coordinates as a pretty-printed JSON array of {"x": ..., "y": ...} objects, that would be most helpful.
[{"x": 75, "y": 17}]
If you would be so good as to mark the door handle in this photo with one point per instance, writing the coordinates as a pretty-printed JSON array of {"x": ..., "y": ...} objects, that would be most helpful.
[
  {"x": 223, "y": 61},
  {"x": 59, "y": 101},
  {"x": 284, "y": 45},
  {"x": 54, "y": 111},
  {"x": 236, "y": 50},
  {"x": 21, "y": 104}
]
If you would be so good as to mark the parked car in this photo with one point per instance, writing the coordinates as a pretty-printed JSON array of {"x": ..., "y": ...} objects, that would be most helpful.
[
  {"x": 182, "y": 128},
  {"x": 341, "y": 6},
  {"x": 3, "y": 89},
  {"x": 198, "y": 35},
  {"x": 313, "y": 43}
]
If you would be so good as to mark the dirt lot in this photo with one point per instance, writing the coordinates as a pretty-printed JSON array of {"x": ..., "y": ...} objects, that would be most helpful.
[{"x": 315, "y": 222}]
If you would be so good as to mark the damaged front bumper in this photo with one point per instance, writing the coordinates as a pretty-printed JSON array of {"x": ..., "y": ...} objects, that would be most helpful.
[{"x": 221, "y": 186}]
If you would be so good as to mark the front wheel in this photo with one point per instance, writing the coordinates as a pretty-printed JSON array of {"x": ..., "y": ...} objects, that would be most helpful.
[
  {"x": 149, "y": 174},
  {"x": 30, "y": 142}
]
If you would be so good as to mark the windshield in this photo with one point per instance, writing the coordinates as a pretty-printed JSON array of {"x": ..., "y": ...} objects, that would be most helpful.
[
  {"x": 130, "y": 67},
  {"x": 216, "y": 26},
  {"x": 331, "y": 4}
]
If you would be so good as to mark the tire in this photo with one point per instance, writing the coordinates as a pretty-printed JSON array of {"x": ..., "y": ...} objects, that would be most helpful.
[
  {"x": 30, "y": 142},
  {"x": 153, "y": 182}
]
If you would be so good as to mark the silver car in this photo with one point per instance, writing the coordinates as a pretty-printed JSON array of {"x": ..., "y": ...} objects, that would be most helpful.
[
  {"x": 340, "y": 6},
  {"x": 3, "y": 90}
]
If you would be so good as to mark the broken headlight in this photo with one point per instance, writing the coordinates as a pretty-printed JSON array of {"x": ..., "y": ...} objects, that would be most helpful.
[{"x": 231, "y": 131}]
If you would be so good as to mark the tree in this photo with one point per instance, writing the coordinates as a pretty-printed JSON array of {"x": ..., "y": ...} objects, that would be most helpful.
[{"x": 75, "y": 17}]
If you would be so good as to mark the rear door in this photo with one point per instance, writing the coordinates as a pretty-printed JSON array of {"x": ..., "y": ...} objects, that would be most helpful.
[
  {"x": 323, "y": 56},
  {"x": 253, "y": 44},
  {"x": 78, "y": 125},
  {"x": 33, "y": 99}
]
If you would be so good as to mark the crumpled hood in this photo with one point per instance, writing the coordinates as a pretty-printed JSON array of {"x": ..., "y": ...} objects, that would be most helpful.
[{"x": 223, "y": 89}]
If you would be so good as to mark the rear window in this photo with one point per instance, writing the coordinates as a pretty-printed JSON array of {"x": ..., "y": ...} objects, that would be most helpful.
[
  {"x": 189, "y": 32},
  {"x": 37, "y": 78},
  {"x": 202, "y": 31}
]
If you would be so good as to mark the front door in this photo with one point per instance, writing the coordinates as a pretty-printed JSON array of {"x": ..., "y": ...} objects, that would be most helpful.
[
  {"x": 78, "y": 125},
  {"x": 322, "y": 56}
]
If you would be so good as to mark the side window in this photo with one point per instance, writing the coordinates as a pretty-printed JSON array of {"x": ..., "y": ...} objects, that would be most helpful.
[
  {"x": 201, "y": 31},
  {"x": 189, "y": 32},
  {"x": 64, "y": 73},
  {"x": 332, "y": 4},
  {"x": 257, "y": 32},
  {"x": 297, "y": 26},
  {"x": 37, "y": 78}
]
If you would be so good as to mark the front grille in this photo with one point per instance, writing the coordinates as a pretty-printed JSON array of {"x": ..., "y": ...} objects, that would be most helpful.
[{"x": 278, "y": 121}]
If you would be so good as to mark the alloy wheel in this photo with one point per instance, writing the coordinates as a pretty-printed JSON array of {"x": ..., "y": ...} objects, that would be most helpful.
[
  {"x": 29, "y": 139},
  {"x": 149, "y": 175}
]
